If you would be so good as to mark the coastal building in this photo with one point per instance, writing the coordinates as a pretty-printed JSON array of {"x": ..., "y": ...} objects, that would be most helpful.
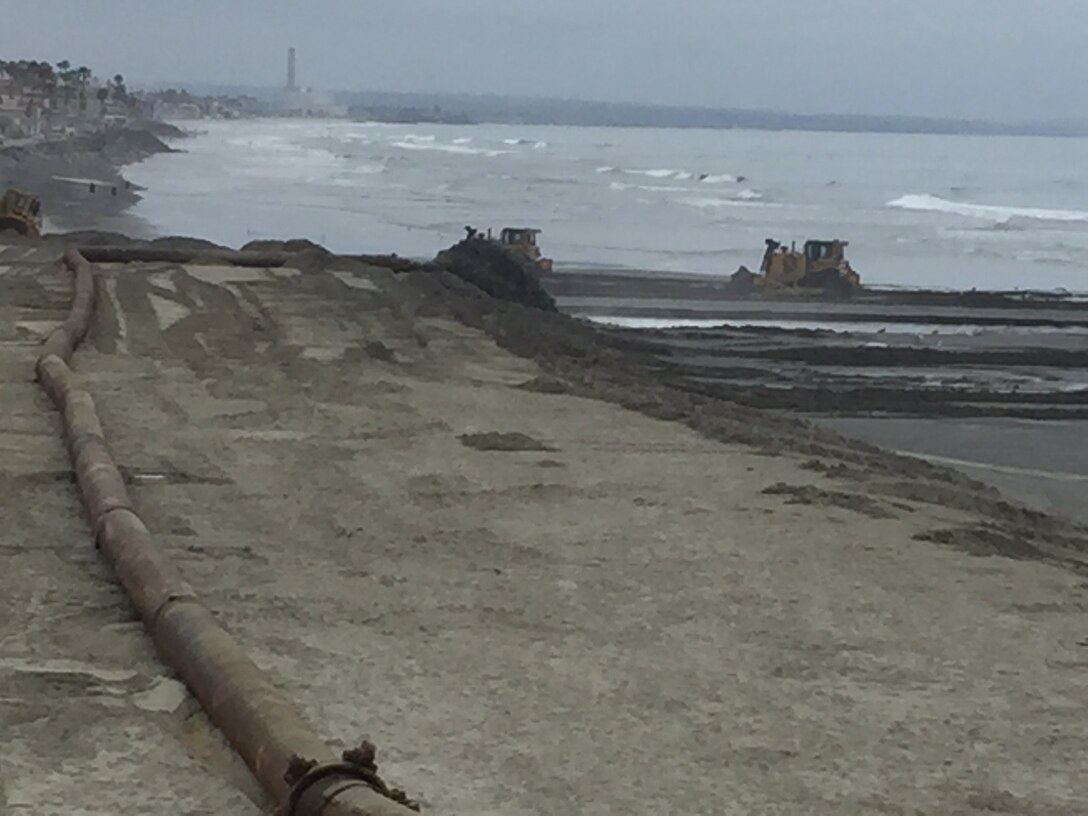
[
  {"x": 20, "y": 109},
  {"x": 12, "y": 101},
  {"x": 31, "y": 108}
]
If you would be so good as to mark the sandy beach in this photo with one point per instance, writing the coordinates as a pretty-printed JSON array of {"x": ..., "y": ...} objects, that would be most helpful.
[{"x": 537, "y": 576}]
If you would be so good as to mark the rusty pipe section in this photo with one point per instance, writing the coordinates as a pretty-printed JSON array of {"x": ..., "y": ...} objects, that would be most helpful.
[
  {"x": 292, "y": 763},
  {"x": 150, "y": 254}
]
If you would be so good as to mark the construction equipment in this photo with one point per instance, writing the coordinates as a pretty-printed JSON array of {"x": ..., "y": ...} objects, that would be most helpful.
[
  {"x": 522, "y": 240},
  {"x": 819, "y": 269},
  {"x": 21, "y": 212}
]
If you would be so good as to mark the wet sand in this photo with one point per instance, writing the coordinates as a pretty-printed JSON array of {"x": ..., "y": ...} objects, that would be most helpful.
[
  {"x": 993, "y": 384},
  {"x": 1042, "y": 464}
]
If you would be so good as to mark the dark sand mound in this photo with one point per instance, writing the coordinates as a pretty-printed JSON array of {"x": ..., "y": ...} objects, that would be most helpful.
[{"x": 497, "y": 271}]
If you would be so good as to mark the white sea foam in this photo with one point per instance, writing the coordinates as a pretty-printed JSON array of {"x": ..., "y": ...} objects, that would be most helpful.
[
  {"x": 536, "y": 145},
  {"x": 439, "y": 147},
  {"x": 679, "y": 175},
  {"x": 999, "y": 213},
  {"x": 655, "y": 173},
  {"x": 743, "y": 198},
  {"x": 649, "y": 188},
  {"x": 1019, "y": 223}
]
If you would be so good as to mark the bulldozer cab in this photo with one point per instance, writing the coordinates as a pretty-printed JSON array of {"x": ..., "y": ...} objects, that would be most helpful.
[
  {"x": 523, "y": 241},
  {"x": 21, "y": 212},
  {"x": 824, "y": 254},
  {"x": 518, "y": 236}
]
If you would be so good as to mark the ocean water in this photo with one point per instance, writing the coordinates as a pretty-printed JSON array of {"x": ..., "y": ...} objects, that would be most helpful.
[{"x": 934, "y": 211}]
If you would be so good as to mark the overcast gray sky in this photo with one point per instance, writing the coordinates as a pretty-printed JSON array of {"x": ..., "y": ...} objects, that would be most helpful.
[{"x": 1003, "y": 59}]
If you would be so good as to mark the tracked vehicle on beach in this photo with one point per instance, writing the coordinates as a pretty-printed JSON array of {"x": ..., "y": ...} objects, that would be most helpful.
[
  {"x": 522, "y": 240},
  {"x": 519, "y": 240},
  {"x": 820, "y": 269},
  {"x": 21, "y": 212}
]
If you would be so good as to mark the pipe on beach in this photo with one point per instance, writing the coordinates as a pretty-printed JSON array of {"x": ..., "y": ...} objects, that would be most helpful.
[
  {"x": 292, "y": 763},
  {"x": 115, "y": 254}
]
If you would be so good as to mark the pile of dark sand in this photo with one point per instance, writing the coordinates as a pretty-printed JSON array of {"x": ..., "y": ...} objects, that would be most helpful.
[{"x": 497, "y": 271}]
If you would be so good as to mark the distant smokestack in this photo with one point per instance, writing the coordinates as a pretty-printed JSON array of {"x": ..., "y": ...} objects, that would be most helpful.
[{"x": 291, "y": 69}]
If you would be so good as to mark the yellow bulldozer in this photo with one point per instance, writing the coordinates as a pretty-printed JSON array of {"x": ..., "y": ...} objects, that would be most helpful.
[
  {"x": 522, "y": 240},
  {"x": 819, "y": 269},
  {"x": 21, "y": 212}
]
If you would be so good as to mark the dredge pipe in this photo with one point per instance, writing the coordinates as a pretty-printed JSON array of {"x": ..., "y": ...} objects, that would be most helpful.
[
  {"x": 243, "y": 257},
  {"x": 115, "y": 254},
  {"x": 293, "y": 764}
]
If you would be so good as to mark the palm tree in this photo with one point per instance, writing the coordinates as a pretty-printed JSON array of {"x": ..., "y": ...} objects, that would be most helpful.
[
  {"x": 41, "y": 76},
  {"x": 47, "y": 82},
  {"x": 44, "y": 74},
  {"x": 20, "y": 71},
  {"x": 82, "y": 80},
  {"x": 67, "y": 81},
  {"x": 120, "y": 92}
]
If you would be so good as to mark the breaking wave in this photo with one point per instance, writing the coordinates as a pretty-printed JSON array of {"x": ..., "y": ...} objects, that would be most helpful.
[
  {"x": 657, "y": 174},
  {"x": 649, "y": 188},
  {"x": 1014, "y": 216},
  {"x": 1019, "y": 223},
  {"x": 743, "y": 198},
  {"x": 526, "y": 142},
  {"x": 428, "y": 143},
  {"x": 368, "y": 169},
  {"x": 663, "y": 173}
]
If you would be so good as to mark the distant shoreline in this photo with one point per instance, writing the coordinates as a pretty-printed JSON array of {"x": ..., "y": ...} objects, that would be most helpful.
[{"x": 514, "y": 110}]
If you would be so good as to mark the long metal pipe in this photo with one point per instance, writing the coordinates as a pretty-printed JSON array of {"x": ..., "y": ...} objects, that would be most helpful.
[
  {"x": 152, "y": 254},
  {"x": 293, "y": 764},
  {"x": 245, "y": 257}
]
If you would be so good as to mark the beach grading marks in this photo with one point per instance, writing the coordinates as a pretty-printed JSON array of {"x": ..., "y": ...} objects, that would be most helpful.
[
  {"x": 219, "y": 275},
  {"x": 629, "y": 605},
  {"x": 168, "y": 312}
]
